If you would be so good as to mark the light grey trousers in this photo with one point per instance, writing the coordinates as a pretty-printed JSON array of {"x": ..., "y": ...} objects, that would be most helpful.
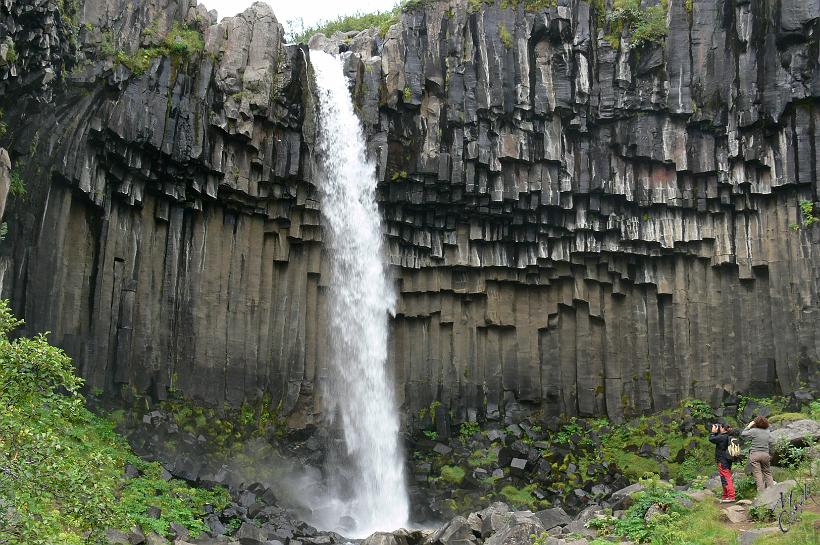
[{"x": 761, "y": 468}]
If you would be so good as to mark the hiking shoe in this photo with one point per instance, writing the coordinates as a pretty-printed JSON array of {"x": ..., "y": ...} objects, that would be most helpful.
[{"x": 727, "y": 500}]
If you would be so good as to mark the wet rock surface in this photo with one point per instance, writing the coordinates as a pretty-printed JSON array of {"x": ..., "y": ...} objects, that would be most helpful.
[{"x": 573, "y": 227}]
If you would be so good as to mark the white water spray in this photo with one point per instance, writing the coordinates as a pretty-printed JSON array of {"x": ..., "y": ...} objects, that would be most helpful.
[{"x": 360, "y": 301}]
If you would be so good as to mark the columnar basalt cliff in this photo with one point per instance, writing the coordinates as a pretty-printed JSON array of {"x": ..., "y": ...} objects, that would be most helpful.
[{"x": 576, "y": 224}]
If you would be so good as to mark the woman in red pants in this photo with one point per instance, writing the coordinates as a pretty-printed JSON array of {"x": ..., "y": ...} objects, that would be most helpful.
[{"x": 720, "y": 436}]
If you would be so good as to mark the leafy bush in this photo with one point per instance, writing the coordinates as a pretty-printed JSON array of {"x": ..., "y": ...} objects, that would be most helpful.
[
  {"x": 467, "y": 430},
  {"x": 698, "y": 408},
  {"x": 564, "y": 436},
  {"x": 647, "y": 25},
  {"x": 431, "y": 435},
  {"x": 18, "y": 186},
  {"x": 11, "y": 54},
  {"x": 788, "y": 455},
  {"x": 61, "y": 467},
  {"x": 3, "y": 126},
  {"x": 814, "y": 410},
  {"x": 655, "y": 493},
  {"x": 745, "y": 487},
  {"x": 807, "y": 211},
  {"x": 760, "y": 513}
]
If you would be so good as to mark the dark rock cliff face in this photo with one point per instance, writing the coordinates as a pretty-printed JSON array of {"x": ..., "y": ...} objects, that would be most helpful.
[{"x": 574, "y": 227}]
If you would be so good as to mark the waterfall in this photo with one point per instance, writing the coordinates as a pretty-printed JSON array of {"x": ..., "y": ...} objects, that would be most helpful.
[{"x": 360, "y": 301}]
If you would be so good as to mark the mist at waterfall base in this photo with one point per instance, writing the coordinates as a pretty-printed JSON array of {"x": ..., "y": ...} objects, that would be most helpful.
[{"x": 365, "y": 489}]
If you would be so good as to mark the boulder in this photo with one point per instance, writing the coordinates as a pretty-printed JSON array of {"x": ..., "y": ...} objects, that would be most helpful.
[
  {"x": 550, "y": 518},
  {"x": 578, "y": 525},
  {"x": 713, "y": 484},
  {"x": 155, "y": 539},
  {"x": 456, "y": 532},
  {"x": 518, "y": 528},
  {"x": 385, "y": 538},
  {"x": 653, "y": 511},
  {"x": 734, "y": 514},
  {"x": 750, "y": 536},
  {"x": 622, "y": 499},
  {"x": 518, "y": 466},
  {"x": 493, "y": 518},
  {"x": 770, "y": 498},
  {"x": 250, "y": 534},
  {"x": 116, "y": 537},
  {"x": 442, "y": 449},
  {"x": 799, "y": 432}
]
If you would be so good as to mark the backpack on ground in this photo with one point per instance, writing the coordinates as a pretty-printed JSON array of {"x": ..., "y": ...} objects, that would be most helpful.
[{"x": 734, "y": 448}]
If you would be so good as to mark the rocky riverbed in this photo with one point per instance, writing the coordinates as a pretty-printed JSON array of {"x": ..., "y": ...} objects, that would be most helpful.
[{"x": 500, "y": 482}]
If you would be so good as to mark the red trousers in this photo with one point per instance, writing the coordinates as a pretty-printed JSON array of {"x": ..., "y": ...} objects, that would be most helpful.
[{"x": 726, "y": 481}]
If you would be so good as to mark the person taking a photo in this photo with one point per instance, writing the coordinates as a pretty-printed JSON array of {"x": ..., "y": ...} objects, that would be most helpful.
[
  {"x": 759, "y": 455},
  {"x": 720, "y": 436}
]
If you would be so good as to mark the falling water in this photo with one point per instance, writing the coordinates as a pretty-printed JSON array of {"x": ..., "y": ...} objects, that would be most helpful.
[{"x": 360, "y": 300}]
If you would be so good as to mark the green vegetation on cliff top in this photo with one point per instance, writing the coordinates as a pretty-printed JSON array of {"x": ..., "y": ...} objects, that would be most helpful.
[
  {"x": 644, "y": 25},
  {"x": 62, "y": 468}
]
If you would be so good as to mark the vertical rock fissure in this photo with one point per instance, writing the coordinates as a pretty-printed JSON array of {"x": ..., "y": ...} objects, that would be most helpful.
[{"x": 367, "y": 486}]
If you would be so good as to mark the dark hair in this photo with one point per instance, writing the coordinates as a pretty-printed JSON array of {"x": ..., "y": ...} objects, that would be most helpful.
[{"x": 761, "y": 422}]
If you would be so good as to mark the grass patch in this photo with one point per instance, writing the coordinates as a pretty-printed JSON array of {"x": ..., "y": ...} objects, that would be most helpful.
[
  {"x": 505, "y": 36},
  {"x": 482, "y": 458},
  {"x": 520, "y": 497},
  {"x": 452, "y": 474},
  {"x": 381, "y": 20},
  {"x": 61, "y": 466},
  {"x": 180, "y": 44},
  {"x": 785, "y": 418},
  {"x": 803, "y": 533}
]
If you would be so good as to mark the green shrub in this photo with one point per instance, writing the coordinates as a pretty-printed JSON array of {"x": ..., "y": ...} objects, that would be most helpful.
[
  {"x": 760, "y": 513},
  {"x": 745, "y": 487},
  {"x": 11, "y": 54},
  {"x": 3, "y": 126},
  {"x": 108, "y": 47},
  {"x": 61, "y": 467},
  {"x": 564, "y": 436},
  {"x": 788, "y": 455},
  {"x": 655, "y": 493},
  {"x": 698, "y": 408},
  {"x": 807, "y": 212},
  {"x": 647, "y": 25},
  {"x": 505, "y": 36},
  {"x": 814, "y": 410},
  {"x": 18, "y": 186},
  {"x": 467, "y": 430},
  {"x": 431, "y": 435}
]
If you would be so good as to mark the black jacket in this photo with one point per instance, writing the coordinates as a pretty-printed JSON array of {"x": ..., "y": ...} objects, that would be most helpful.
[{"x": 721, "y": 441}]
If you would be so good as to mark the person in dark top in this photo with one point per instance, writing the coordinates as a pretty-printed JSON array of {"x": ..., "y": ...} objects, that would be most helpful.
[{"x": 720, "y": 436}]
